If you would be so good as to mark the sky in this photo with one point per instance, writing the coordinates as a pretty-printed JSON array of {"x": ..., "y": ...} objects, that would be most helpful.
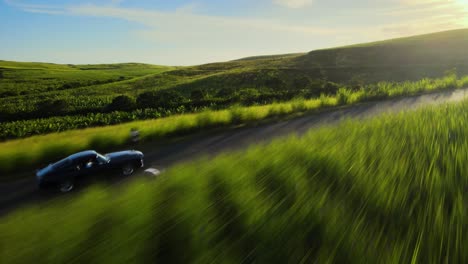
[{"x": 190, "y": 32}]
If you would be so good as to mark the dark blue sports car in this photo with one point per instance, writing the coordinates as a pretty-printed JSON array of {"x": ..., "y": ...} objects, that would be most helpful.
[{"x": 64, "y": 173}]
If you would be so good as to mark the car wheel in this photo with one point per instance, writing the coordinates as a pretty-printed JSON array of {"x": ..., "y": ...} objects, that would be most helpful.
[
  {"x": 127, "y": 170},
  {"x": 65, "y": 187}
]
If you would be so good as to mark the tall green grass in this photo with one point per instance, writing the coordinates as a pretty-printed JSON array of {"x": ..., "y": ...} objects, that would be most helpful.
[
  {"x": 388, "y": 190},
  {"x": 39, "y": 150}
]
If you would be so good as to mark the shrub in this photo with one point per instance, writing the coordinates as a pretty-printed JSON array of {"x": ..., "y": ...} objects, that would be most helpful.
[
  {"x": 274, "y": 83},
  {"x": 330, "y": 88},
  {"x": 8, "y": 94},
  {"x": 121, "y": 102},
  {"x": 225, "y": 93},
  {"x": 52, "y": 107},
  {"x": 160, "y": 99},
  {"x": 197, "y": 95},
  {"x": 146, "y": 99},
  {"x": 247, "y": 96},
  {"x": 301, "y": 82}
]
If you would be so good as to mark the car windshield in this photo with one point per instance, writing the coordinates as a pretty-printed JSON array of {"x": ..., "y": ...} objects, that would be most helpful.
[{"x": 102, "y": 159}]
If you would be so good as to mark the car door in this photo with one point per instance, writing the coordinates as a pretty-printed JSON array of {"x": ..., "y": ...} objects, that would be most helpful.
[
  {"x": 69, "y": 172},
  {"x": 92, "y": 167}
]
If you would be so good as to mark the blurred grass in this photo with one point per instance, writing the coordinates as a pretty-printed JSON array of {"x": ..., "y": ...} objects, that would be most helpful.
[
  {"x": 391, "y": 189},
  {"x": 40, "y": 150}
]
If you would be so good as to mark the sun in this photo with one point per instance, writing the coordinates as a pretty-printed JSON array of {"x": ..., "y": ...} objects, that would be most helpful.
[{"x": 464, "y": 5}]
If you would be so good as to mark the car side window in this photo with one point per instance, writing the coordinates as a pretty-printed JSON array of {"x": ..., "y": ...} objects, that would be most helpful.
[
  {"x": 101, "y": 160},
  {"x": 76, "y": 165},
  {"x": 90, "y": 163},
  {"x": 80, "y": 164}
]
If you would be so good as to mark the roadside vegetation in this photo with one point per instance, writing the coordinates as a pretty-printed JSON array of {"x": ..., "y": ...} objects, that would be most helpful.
[
  {"x": 167, "y": 103},
  {"x": 392, "y": 189},
  {"x": 39, "y": 150}
]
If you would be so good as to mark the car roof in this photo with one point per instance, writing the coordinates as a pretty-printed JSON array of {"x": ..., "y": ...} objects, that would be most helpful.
[{"x": 83, "y": 154}]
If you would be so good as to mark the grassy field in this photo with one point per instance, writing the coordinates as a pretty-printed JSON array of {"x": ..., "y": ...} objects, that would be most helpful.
[
  {"x": 26, "y": 128},
  {"x": 402, "y": 59},
  {"x": 40, "y": 150},
  {"x": 90, "y": 89},
  {"x": 387, "y": 190},
  {"x": 21, "y": 78}
]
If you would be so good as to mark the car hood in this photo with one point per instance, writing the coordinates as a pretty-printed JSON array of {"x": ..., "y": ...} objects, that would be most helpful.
[
  {"x": 123, "y": 155},
  {"x": 44, "y": 171}
]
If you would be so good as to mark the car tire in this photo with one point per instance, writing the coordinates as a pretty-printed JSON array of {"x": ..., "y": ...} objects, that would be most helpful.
[
  {"x": 128, "y": 169},
  {"x": 66, "y": 186}
]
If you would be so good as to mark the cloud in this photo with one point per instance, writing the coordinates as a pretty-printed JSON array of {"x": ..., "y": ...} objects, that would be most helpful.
[
  {"x": 418, "y": 7},
  {"x": 188, "y": 22},
  {"x": 294, "y": 3},
  {"x": 183, "y": 36},
  {"x": 36, "y": 8},
  {"x": 411, "y": 17}
]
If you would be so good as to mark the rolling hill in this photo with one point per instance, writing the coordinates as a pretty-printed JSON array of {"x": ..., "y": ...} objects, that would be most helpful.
[
  {"x": 400, "y": 59},
  {"x": 91, "y": 88}
]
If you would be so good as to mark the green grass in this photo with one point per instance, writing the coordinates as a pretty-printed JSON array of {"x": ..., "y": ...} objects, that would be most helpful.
[
  {"x": 386, "y": 190},
  {"x": 22, "y": 78},
  {"x": 26, "y": 128},
  {"x": 39, "y": 150},
  {"x": 402, "y": 59},
  {"x": 23, "y": 85},
  {"x": 90, "y": 88}
]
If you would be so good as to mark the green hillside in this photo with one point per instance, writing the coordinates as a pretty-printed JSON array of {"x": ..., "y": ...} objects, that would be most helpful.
[
  {"x": 393, "y": 60},
  {"x": 30, "y": 91},
  {"x": 20, "y": 78}
]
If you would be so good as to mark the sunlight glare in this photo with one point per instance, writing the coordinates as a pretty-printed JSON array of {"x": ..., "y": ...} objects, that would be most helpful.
[{"x": 464, "y": 5}]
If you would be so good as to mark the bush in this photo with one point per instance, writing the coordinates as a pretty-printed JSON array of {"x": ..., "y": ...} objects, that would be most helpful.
[
  {"x": 160, "y": 99},
  {"x": 197, "y": 95},
  {"x": 274, "y": 83},
  {"x": 225, "y": 93},
  {"x": 121, "y": 102},
  {"x": 52, "y": 107},
  {"x": 330, "y": 88},
  {"x": 8, "y": 94},
  {"x": 301, "y": 83},
  {"x": 247, "y": 96}
]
